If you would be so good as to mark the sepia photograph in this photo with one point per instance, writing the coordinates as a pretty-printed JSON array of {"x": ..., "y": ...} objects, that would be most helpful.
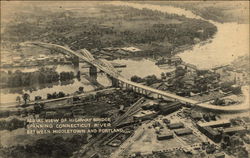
[{"x": 124, "y": 79}]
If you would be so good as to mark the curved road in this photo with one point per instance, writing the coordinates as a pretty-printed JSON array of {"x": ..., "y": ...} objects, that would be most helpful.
[{"x": 98, "y": 64}]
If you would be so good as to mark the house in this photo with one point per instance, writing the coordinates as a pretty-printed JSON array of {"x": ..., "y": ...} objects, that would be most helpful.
[
  {"x": 233, "y": 130},
  {"x": 188, "y": 80},
  {"x": 131, "y": 49},
  {"x": 215, "y": 124},
  {"x": 150, "y": 106},
  {"x": 167, "y": 108},
  {"x": 165, "y": 136},
  {"x": 211, "y": 133},
  {"x": 185, "y": 131},
  {"x": 219, "y": 155},
  {"x": 175, "y": 125},
  {"x": 145, "y": 115},
  {"x": 196, "y": 115},
  {"x": 189, "y": 67}
]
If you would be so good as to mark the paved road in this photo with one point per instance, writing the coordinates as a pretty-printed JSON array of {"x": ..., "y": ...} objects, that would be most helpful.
[{"x": 86, "y": 56}]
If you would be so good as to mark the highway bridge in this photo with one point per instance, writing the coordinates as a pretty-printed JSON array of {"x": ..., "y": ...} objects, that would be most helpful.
[{"x": 119, "y": 80}]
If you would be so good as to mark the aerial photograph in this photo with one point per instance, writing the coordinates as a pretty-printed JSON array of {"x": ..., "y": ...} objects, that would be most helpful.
[{"x": 124, "y": 79}]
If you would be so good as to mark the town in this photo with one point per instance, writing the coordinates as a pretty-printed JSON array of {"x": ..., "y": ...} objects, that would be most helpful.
[{"x": 149, "y": 100}]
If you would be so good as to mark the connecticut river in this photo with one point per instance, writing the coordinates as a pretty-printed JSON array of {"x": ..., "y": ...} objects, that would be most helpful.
[{"x": 230, "y": 42}]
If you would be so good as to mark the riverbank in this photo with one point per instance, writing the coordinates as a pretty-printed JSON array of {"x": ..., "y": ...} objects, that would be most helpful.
[{"x": 230, "y": 41}]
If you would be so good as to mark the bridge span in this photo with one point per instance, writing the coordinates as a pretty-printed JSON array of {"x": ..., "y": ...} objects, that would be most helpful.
[{"x": 118, "y": 80}]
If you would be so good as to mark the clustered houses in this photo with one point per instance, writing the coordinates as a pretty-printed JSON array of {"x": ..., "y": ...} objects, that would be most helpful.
[
  {"x": 19, "y": 61},
  {"x": 115, "y": 52},
  {"x": 188, "y": 80}
]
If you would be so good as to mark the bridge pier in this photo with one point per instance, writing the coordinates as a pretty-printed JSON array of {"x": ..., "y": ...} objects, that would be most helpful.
[
  {"x": 114, "y": 81},
  {"x": 121, "y": 84},
  {"x": 126, "y": 86},
  {"x": 137, "y": 89},
  {"x": 134, "y": 88},
  {"x": 130, "y": 87},
  {"x": 93, "y": 72},
  {"x": 141, "y": 91},
  {"x": 144, "y": 92},
  {"x": 75, "y": 62}
]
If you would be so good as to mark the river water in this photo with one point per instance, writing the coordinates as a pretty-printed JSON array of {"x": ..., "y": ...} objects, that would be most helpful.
[
  {"x": 230, "y": 42},
  {"x": 9, "y": 95}
]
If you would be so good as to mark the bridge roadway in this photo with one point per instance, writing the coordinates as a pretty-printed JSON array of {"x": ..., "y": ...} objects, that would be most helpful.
[{"x": 102, "y": 66}]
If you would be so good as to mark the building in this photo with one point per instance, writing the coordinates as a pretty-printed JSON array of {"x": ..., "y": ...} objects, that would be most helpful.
[
  {"x": 131, "y": 49},
  {"x": 167, "y": 108},
  {"x": 51, "y": 115},
  {"x": 185, "y": 131},
  {"x": 175, "y": 125},
  {"x": 189, "y": 67},
  {"x": 233, "y": 130},
  {"x": 215, "y": 124},
  {"x": 165, "y": 136},
  {"x": 166, "y": 121},
  {"x": 219, "y": 155},
  {"x": 210, "y": 133},
  {"x": 150, "y": 106},
  {"x": 196, "y": 115},
  {"x": 145, "y": 115}
]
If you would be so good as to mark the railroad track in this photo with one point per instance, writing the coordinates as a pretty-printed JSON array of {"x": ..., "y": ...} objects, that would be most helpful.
[{"x": 132, "y": 109}]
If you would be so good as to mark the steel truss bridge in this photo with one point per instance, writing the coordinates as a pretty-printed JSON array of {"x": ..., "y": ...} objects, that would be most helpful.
[{"x": 119, "y": 80}]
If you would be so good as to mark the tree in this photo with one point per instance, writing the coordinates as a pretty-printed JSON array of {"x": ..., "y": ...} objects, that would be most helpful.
[
  {"x": 78, "y": 75},
  {"x": 81, "y": 89},
  {"x": 15, "y": 124},
  {"x": 18, "y": 99},
  {"x": 151, "y": 79},
  {"x": 38, "y": 108},
  {"x": 136, "y": 79},
  {"x": 61, "y": 94},
  {"x": 219, "y": 101},
  {"x": 49, "y": 96},
  {"x": 26, "y": 97},
  {"x": 180, "y": 72},
  {"x": 38, "y": 98},
  {"x": 163, "y": 75},
  {"x": 54, "y": 95}
]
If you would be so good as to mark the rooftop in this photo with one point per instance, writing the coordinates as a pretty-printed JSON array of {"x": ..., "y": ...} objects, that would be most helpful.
[
  {"x": 165, "y": 134},
  {"x": 144, "y": 113},
  {"x": 131, "y": 49},
  {"x": 175, "y": 125},
  {"x": 212, "y": 123},
  {"x": 183, "y": 131},
  {"x": 234, "y": 129}
]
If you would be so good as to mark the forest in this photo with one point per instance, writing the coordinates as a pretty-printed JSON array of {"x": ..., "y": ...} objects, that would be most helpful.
[
  {"x": 108, "y": 26},
  {"x": 43, "y": 75},
  {"x": 54, "y": 146}
]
